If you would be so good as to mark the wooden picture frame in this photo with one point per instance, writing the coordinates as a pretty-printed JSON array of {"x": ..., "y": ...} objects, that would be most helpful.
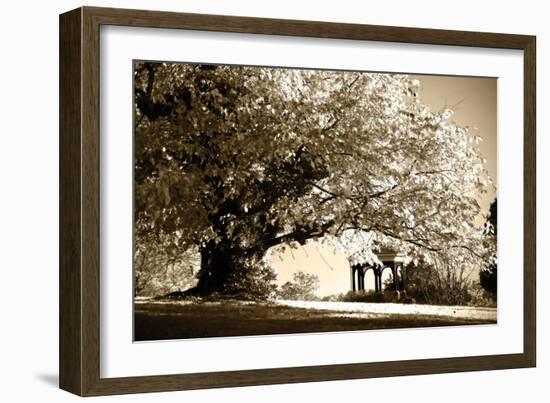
[{"x": 79, "y": 347}]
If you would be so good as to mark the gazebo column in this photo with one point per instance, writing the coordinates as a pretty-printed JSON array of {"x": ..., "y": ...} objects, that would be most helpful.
[
  {"x": 394, "y": 266},
  {"x": 403, "y": 277},
  {"x": 352, "y": 277}
]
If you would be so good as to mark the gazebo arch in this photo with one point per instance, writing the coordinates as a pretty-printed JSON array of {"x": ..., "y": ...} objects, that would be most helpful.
[{"x": 389, "y": 259}]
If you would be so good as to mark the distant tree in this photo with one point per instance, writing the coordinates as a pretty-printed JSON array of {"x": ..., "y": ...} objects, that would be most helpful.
[
  {"x": 302, "y": 287},
  {"x": 233, "y": 161},
  {"x": 488, "y": 274}
]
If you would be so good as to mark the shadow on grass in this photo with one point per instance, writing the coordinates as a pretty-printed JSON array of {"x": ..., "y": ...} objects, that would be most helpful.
[{"x": 199, "y": 320}]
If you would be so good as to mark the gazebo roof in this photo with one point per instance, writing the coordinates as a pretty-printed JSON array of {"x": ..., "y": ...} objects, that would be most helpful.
[{"x": 390, "y": 255}]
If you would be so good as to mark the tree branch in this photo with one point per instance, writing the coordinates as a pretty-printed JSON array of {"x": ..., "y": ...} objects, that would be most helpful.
[{"x": 300, "y": 235}]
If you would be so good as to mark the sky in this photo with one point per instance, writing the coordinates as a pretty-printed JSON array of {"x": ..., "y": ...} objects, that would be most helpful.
[{"x": 474, "y": 101}]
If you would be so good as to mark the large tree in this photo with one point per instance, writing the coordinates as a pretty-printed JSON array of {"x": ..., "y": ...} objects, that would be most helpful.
[{"x": 236, "y": 160}]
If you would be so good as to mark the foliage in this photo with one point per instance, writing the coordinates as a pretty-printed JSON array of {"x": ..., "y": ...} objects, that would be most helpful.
[
  {"x": 480, "y": 297},
  {"x": 159, "y": 270},
  {"x": 488, "y": 279},
  {"x": 488, "y": 275},
  {"x": 439, "y": 284},
  {"x": 388, "y": 285},
  {"x": 255, "y": 282},
  {"x": 302, "y": 287},
  {"x": 368, "y": 296},
  {"x": 235, "y": 160}
]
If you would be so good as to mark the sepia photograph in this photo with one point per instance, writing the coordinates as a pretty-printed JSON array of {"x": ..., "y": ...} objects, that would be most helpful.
[{"x": 274, "y": 200}]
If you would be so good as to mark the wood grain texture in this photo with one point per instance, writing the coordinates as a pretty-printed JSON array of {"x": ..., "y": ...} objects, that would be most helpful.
[
  {"x": 90, "y": 202},
  {"x": 315, "y": 29},
  {"x": 80, "y": 200},
  {"x": 70, "y": 274},
  {"x": 530, "y": 202}
]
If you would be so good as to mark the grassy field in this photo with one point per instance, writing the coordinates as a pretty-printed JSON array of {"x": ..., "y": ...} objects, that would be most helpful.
[{"x": 166, "y": 321}]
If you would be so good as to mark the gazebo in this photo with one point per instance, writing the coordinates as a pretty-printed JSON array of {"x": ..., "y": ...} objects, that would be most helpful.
[{"x": 389, "y": 259}]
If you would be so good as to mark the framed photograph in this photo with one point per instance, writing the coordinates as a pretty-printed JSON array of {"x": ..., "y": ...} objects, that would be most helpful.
[{"x": 248, "y": 201}]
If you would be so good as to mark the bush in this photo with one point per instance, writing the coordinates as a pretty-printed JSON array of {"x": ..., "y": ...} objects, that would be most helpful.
[
  {"x": 255, "y": 283},
  {"x": 481, "y": 297},
  {"x": 369, "y": 296},
  {"x": 427, "y": 285},
  {"x": 158, "y": 271},
  {"x": 302, "y": 287},
  {"x": 333, "y": 297}
]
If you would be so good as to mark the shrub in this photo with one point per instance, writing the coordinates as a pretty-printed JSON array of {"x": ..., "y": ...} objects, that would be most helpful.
[
  {"x": 481, "y": 297},
  {"x": 427, "y": 287},
  {"x": 302, "y": 287},
  {"x": 256, "y": 282},
  {"x": 368, "y": 296}
]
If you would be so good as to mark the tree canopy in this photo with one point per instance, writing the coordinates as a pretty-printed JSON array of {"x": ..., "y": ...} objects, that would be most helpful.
[{"x": 235, "y": 160}]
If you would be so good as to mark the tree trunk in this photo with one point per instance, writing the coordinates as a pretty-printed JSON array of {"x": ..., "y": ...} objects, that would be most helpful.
[
  {"x": 218, "y": 264},
  {"x": 231, "y": 271}
]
